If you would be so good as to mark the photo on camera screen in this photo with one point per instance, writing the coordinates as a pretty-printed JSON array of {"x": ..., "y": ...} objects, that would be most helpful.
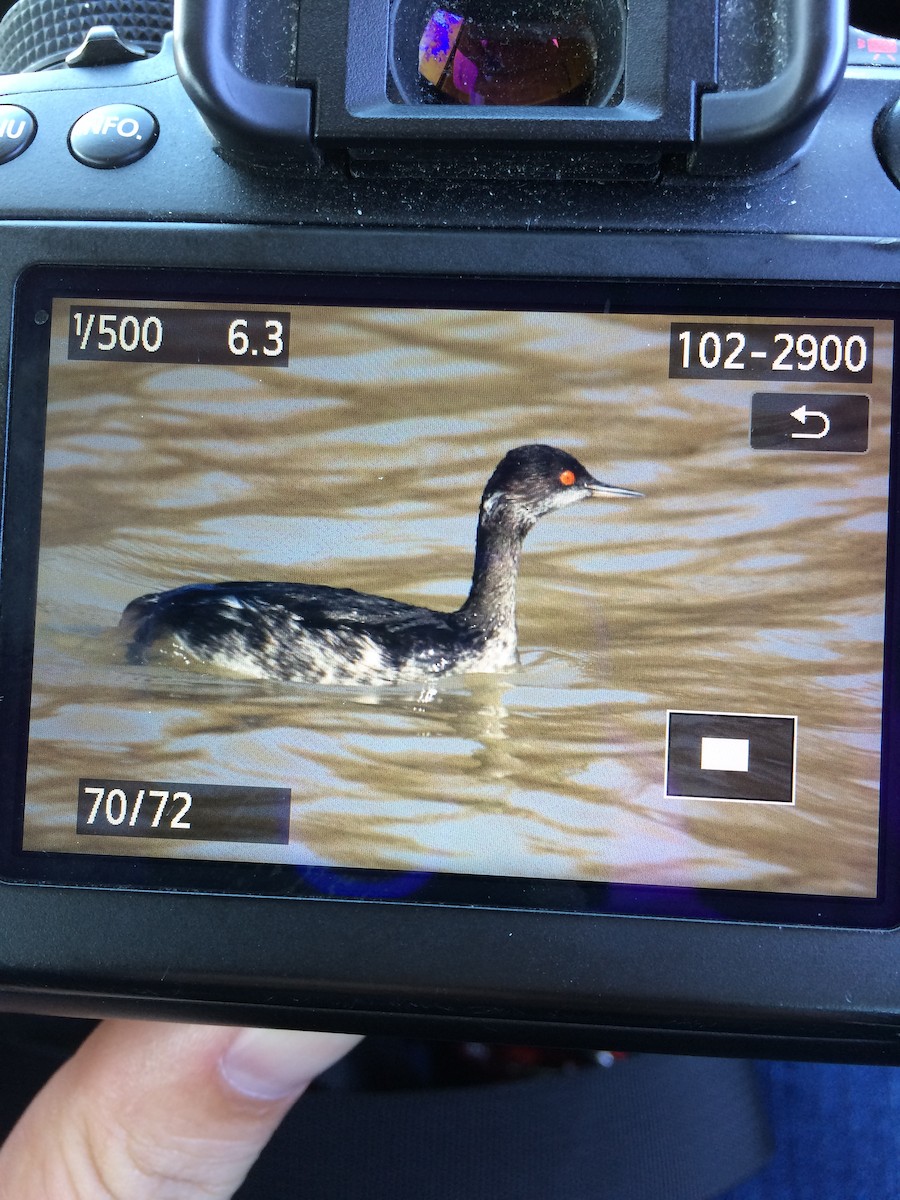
[{"x": 697, "y": 691}]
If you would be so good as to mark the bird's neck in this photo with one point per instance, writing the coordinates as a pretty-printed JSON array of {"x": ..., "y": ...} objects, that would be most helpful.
[{"x": 491, "y": 605}]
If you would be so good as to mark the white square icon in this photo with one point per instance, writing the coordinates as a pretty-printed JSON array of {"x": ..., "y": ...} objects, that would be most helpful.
[
  {"x": 724, "y": 754},
  {"x": 704, "y": 763}
]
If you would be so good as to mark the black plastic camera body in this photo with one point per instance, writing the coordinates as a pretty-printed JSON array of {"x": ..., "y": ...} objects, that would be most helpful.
[{"x": 721, "y": 163}]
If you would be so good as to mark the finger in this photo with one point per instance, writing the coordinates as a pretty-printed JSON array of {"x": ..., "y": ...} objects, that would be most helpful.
[{"x": 160, "y": 1112}]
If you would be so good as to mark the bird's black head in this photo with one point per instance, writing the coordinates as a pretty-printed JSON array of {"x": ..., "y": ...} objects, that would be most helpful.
[{"x": 533, "y": 480}]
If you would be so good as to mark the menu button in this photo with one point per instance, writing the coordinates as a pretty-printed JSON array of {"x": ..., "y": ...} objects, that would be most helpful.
[{"x": 17, "y": 130}]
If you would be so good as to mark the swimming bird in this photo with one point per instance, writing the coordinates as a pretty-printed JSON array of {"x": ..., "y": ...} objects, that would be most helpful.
[{"x": 304, "y": 632}]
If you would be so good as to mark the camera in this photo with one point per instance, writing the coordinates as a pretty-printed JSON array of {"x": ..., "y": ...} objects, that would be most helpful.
[{"x": 449, "y": 519}]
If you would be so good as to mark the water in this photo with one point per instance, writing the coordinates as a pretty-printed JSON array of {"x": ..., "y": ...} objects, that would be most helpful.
[{"x": 747, "y": 582}]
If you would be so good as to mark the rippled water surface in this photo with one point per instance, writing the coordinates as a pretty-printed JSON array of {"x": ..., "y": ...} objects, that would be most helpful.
[{"x": 743, "y": 582}]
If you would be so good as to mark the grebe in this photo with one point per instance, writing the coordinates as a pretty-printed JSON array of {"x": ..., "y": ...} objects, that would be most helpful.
[{"x": 302, "y": 632}]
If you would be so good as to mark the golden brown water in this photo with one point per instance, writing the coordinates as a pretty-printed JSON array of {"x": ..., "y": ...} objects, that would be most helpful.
[{"x": 743, "y": 581}]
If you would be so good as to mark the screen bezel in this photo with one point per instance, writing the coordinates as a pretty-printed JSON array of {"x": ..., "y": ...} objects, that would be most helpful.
[{"x": 21, "y": 525}]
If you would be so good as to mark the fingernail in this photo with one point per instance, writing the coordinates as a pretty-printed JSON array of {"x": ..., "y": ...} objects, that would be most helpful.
[{"x": 272, "y": 1064}]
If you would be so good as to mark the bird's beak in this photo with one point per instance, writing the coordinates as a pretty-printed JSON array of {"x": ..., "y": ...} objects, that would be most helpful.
[{"x": 596, "y": 488}]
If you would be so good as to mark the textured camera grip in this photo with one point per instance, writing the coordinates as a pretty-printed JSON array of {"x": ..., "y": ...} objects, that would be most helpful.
[{"x": 37, "y": 34}]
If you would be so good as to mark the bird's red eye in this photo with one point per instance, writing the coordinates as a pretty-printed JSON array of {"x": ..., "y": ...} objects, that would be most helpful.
[{"x": 567, "y": 478}]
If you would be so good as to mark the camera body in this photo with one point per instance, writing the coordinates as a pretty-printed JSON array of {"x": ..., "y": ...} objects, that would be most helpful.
[{"x": 733, "y": 215}]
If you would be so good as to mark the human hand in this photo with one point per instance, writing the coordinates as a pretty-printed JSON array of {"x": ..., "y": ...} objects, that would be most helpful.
[{"x": 160, "y": 1112}]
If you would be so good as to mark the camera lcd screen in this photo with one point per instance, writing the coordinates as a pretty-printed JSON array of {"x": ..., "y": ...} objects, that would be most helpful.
[{"x": 666, "y": 680}]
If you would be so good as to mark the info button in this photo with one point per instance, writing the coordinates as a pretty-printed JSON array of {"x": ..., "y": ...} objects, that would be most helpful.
[
  {"x": 113, "y": 135},
  {"x": 806, "y": 421},
  {"x": 730, "y": 756}
]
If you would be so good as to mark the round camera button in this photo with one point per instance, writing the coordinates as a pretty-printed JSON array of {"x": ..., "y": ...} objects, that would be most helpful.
[
  {"x": 17, "y": 130},
  {"x": 113, "y": 135}
]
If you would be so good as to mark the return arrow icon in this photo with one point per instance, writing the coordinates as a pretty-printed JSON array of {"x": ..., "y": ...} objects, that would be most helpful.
[
  {"x": 800, "y": 414},
  {"x": 825, "y": 422}
]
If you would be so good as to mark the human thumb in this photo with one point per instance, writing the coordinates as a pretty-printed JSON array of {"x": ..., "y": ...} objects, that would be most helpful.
[{"x": 160, "y": 1112}]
